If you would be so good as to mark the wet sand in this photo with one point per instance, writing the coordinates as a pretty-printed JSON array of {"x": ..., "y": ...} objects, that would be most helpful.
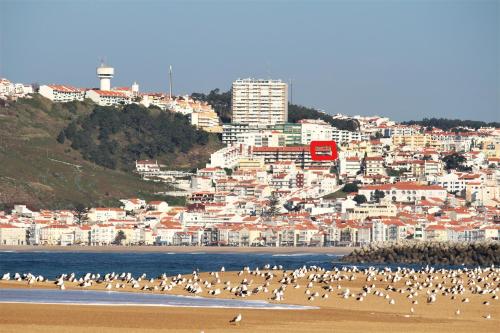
[
  {"x": 178, "y": 249},
  {"x": 336, "y": 314}
]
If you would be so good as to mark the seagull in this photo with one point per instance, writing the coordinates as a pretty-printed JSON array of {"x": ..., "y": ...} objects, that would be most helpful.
[{"x": 236, "y": 320}]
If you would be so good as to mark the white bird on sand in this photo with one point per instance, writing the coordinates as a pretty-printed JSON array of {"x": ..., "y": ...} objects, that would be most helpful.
[
  {"x": 236, "y": 320},
  {"x": 488, "y": 316},
  {"x": 457, "y": 312}
]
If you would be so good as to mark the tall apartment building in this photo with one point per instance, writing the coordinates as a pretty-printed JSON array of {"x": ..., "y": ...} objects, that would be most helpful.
[{"x": 260, "y": 102}]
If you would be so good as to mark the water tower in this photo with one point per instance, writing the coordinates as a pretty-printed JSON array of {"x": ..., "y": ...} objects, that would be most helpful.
[{"x": 105, "y": 74}]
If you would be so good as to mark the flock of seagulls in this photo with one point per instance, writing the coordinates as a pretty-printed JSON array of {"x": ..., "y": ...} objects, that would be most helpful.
[{"x": 318, "y": 284}]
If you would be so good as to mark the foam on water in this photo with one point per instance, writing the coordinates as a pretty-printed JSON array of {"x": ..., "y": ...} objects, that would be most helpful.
[
  {"x": 114, "y": 298},
  {"x": 293, "y": 254}
]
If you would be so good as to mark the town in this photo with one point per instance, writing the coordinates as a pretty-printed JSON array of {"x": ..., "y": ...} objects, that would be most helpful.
[{"x": 391, "y": 182}]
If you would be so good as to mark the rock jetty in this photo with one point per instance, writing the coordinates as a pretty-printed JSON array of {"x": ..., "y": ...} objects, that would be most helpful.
[{"x": 443, "y": 253}]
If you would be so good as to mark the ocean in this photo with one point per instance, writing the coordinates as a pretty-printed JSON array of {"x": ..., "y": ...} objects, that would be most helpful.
[{"x": 52, "y": 264}]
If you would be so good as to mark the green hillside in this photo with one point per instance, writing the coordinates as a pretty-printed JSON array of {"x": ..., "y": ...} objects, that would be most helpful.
[
  {"x": 39, "y": 171},
  {"x": 116, "y": 137}
]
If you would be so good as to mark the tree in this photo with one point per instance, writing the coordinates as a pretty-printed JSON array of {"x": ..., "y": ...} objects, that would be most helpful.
[
  {"x": 298, "y": 112},
  {"x": 115, "y": 137},
  {"x": 377, "y": 195},
  {"x": 274, "y": 204},
  {"x": 448, "y": 124},
  {"x": 360, "y": 199},
  {"x": 350, "y": 188},
  {"x": 120, "y": 237},
  {"x": 61, "y": 137},
  {"x": 80, "y": 213},
  {"x": 456, "y": 161}
]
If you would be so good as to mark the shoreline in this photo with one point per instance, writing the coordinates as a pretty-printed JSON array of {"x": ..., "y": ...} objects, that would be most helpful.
[
  {"x": 177, "y": 249},
  {"x": 346, "y": 314}
]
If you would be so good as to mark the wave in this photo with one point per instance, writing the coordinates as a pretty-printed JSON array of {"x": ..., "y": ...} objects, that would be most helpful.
[{"x": 294, "y": 254}]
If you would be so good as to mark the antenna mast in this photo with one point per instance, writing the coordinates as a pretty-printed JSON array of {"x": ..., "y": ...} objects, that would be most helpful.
[{"x": 170, "y": 83}]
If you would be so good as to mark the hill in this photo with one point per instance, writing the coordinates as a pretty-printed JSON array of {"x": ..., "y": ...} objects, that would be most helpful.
[
  {"x": 298, "y": 112},
  {"x": 448, "y": 124},
  {"x": 39, "y": 171},
  {"x": 117, "y": 137}
]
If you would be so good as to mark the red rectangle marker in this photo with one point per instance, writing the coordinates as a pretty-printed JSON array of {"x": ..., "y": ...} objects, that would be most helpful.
[{"x": 319, "y": 146}]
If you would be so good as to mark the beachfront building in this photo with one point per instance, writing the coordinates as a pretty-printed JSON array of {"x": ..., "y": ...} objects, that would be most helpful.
[
  {"x": 12, "y": 235},
  {"x": 102, "y": 234}
]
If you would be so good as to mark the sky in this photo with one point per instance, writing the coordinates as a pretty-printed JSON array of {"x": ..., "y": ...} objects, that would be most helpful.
[{"x": 402, "y": 59}]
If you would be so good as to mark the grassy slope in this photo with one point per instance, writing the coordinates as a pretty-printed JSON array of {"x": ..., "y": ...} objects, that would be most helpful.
[{"x": 28, "y": 175}]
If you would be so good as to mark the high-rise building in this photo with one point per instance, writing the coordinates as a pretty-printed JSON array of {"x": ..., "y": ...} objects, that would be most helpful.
[{"x": 260, "y": 102}]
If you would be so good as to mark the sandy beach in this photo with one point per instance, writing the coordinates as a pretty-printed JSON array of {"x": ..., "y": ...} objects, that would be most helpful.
[
  {"x": 335, "y": 313},
  {"x": 178, "y": 249}
]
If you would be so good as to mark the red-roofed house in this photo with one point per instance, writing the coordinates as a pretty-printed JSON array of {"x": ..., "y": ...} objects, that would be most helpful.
[
  {"x": 61, "y": 93},
  {"x": 108, "y": 97}
]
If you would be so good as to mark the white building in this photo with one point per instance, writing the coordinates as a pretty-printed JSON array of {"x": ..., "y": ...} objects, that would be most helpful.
[
  {"x": 259, "y": 102},
  {"x": 108, "y": 97},
  {"x": 349, "y": 166},
  {"x": 147, "y": 167},
  {"x": 62, "y": 93},
  {"x": 343, "y": 136},
  {"x": 104, "y": 214},
  {"x": 315, "y": 130},
  {"x": 262, "y": 139},
  {"x": 102, "y": 234},
  {"x": 405, "y": 192},
  {"x": 11, "y": 235},
  {"x": 227, "y": 157},
  {"x": 14, "y": 90}
]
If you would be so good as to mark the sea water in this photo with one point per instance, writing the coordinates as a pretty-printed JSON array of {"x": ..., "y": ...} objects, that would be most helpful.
[
  {"x": 53, "y": 264},
  {"x": 92, "y": 297}
]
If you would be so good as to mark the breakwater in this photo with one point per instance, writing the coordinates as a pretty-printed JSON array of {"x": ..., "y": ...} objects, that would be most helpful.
[{"x": 442, "y": 253}]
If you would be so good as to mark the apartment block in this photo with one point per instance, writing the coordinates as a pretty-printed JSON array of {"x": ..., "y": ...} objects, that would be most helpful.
[{"x": 259, "y": 102}]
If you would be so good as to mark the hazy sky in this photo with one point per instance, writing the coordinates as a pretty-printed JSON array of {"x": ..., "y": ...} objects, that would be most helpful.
[{"x": 402, "y": 59}]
